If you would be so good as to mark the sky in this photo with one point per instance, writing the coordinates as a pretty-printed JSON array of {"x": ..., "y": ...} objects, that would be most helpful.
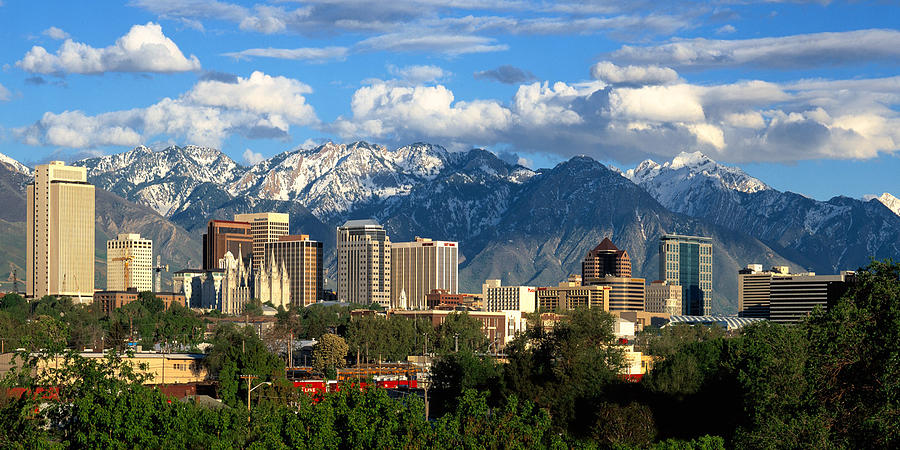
[{"x": 804, "y": 95}]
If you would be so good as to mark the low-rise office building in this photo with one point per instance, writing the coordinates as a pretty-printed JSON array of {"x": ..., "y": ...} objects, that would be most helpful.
[
  {"x": 663, "y": 297},
  {"x": 626, "y": 293},
  {"x": 572, "y": 294},
  {"x": 507, "y": 298}
]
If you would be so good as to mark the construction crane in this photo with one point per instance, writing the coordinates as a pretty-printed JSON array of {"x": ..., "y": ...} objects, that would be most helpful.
[
  {"x": 127, "y": 259},
  {"x": 157, "y": 270}
]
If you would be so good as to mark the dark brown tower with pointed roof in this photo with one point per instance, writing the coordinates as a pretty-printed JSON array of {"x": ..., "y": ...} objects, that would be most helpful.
[{"x": 606, "y": 259}]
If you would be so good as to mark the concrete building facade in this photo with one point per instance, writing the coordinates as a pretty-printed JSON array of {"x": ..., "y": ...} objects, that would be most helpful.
[
  {"x": 302, "y": 262},
  {"x": 783, "y": 297},
  {"x": 264, "y": 227},
  {"x": 792, "y": 298},
  {"x": 272, "y": 284},
  {"x": 59, "y": 233},
  {"x": 363, "y": 263},
  {"x": 687, "y": 261},
  {"x": 754, "y": 289},
  {"x": 421, "y": 266},
  {"x": 236, "y": 289},
  {"x": 224, "y": 236},
  {"x": 129, "y": 263},
  {"x": 497, "y": 297},
  {"x": 663, "y": 297}
]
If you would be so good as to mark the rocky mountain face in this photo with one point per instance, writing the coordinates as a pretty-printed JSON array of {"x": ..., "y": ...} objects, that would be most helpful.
[
  {"x": 513, "y": 223},
  {"x": 825, "y": 236}
]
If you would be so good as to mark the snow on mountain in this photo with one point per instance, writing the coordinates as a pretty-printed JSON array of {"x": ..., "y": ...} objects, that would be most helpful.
[
  {"x": 330, "y": 180},
  {"x": 164, "y": 179},
  {"x": 15, "y": 165},
  {"x": 892, "y": 203},
  {"x": 333, "y": 178},
  {"x": 682, "y": 184}
]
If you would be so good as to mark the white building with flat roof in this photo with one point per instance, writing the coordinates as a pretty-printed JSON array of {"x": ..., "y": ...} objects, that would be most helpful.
[
  {"x": 496, "y": 297},
  {"x": 363, "y": 263},
  {"x": 129, "y": 263}
]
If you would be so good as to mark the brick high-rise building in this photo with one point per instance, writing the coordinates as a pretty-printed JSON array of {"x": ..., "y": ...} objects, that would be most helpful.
[
  {"x": 224, "y": 236},
  {"x": 363, "y": 263},
  {"x": 264, "y": 227},
  {"x": 606, "y": 259},
  {"x": 59, "y": 230}
]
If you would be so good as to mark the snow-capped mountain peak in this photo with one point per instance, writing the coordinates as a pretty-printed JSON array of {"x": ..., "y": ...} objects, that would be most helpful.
[
  {"x": 888, "y": 200},
  {"x": 15, "y": 165},
  {"x": 694, "y": 161},
  {"x": 686, "y": 166}
]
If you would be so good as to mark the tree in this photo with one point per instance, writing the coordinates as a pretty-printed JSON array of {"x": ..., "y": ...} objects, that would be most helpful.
[
  {"x": 567, "y": 369},
  {"x": 455, "y": 373},
  {"x": 238, "y": 351},
  {"x": 330, "y": 353},
  {"x": 854, "y": 361},
  {"x": 464, "y": 331}
]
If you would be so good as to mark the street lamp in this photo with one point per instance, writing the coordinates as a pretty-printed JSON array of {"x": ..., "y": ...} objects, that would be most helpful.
[{"x": 250, "y": 389}]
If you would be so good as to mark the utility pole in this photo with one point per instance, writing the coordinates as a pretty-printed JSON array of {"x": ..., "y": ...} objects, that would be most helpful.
[
  {"x": 250, "y": 389},
  {"x": 425, "y": 368},
  {"x": 456, "y": 343}
]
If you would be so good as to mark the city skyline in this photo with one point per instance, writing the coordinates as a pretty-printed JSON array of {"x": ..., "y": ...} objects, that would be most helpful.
[{"x": 793, "y": 107}]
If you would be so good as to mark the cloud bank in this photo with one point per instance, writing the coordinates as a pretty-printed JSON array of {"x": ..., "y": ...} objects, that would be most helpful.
[
  {"x": 143, "y": 49},
  {"x": 258, "y": 106}
]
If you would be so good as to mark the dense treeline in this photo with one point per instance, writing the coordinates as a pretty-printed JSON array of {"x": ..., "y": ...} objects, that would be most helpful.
[
  {"x": 56, "y": 323},
  {"x": 830, "y": 382}
]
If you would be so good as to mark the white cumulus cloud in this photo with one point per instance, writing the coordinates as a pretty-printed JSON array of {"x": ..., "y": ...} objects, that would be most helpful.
[
  {"x": 252, "y": 158},
  {"x": 55, "y": 33},
  {"x": 4, "y": 94},
  {"x": 258, "y": 106},
  {"x": 743, "y": 121},
  {"x": 143, "y": 49}
]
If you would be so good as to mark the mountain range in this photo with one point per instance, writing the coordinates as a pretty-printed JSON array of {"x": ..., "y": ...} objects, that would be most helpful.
[{"x": 521, "y": 225}]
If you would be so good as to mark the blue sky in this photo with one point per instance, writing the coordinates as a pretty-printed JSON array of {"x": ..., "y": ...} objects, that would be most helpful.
[{"x": 803, "y": 95}]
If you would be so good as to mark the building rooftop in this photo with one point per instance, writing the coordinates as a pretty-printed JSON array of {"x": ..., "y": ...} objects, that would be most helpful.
[{"x": 361, "y": 223}]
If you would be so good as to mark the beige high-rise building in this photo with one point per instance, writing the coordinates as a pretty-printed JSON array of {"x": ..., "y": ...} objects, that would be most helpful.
[
  {"x": 59, "y": 233},
  {"x": 301, "y": 260},
  {"x": 421, "y": 266},
  {"x": 264, "y": 227},
  {"x": 364, "y": 263},
  {"x": 129, "y": 263}
]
